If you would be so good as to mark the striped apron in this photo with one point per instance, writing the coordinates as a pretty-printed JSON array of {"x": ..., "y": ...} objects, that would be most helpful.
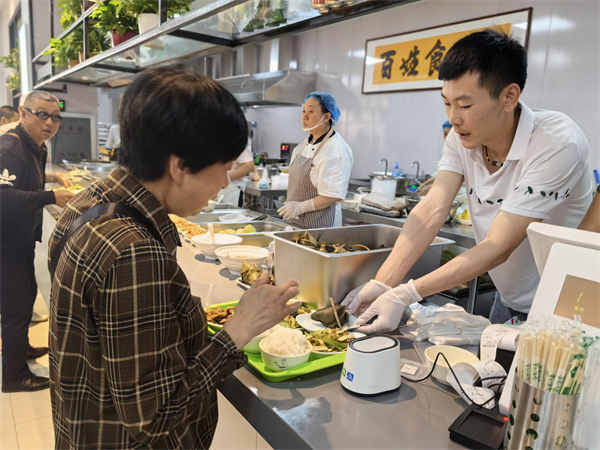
[{"x": 300, "y": 189}]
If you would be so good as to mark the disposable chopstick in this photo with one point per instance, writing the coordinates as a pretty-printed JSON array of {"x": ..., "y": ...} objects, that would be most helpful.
[{"x": 337, "y": 319}]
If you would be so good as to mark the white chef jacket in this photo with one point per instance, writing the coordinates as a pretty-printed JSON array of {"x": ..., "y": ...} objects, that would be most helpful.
[
  {"x": 231, "y": 193},
  {"x": 114, "y": 137},
  {"x": 331, "y": 168},
  {"x": 546, "y": 176}
]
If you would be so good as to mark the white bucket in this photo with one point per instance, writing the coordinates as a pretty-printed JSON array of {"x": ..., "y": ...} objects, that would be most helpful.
[
  {"x": 385, "y": 186},
  {"x": 279, "y": 182},
  {"x": 147, "y": 22}
]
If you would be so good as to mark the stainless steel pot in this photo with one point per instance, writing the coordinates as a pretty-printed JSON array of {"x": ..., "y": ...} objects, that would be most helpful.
[{"x": 411, "y": 202}]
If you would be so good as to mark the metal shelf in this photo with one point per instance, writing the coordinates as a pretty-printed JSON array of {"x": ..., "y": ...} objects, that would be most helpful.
[
  {"x": 65, "y": 33},
  {"x": 201, "y": 31}
]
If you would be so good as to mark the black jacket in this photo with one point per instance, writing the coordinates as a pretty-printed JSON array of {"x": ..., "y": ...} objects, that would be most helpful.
[{"x": 22, "y": 195}]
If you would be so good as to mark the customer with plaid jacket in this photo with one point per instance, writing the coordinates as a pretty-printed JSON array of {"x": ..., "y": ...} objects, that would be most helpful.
[{"x": 131, "y": 362}]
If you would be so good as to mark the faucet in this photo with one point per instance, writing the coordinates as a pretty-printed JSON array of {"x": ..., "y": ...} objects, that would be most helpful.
[
  {"x": 386, "y": 165},
  {"x": 418, "y": 168}
]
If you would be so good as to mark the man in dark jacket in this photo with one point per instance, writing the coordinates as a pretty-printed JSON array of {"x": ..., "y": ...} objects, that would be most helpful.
[{"x": 23, "y": 155}]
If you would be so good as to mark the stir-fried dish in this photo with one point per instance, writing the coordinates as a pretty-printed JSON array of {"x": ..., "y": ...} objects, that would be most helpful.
[
  {"x": 290, "y": 321},
  {"x": 218, "y": 316},
  {"x": 330, "y": 340}
]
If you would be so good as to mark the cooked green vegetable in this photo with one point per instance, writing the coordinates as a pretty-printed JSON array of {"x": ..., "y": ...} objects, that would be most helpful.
[
  {"x": 330, "y": 340},
  {"x": 290, "y": 321}
]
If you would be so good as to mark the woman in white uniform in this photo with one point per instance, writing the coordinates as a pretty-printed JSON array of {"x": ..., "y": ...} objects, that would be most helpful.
[
  {"x": 320, "y": 168},
  {"x": 242, "y": 166}
]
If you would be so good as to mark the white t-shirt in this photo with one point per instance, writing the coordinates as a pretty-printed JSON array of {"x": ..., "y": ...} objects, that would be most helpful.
[
  {"x": 114, "y": 137},
  {"x": 546, "y": 176},
  {"x": 331, "y": 168}
]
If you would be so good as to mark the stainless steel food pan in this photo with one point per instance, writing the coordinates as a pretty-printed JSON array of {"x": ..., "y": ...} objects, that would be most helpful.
[
  {"x": 259, "y": 239},
  {"x": 214, "y": 216},
  {"x": 322, "y": 275}
]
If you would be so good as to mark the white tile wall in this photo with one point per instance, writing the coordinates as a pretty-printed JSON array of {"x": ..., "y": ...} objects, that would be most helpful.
[{"x": 563, "y": 76}]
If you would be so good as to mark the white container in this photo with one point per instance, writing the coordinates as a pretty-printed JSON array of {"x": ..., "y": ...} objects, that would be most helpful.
[
  {"x": 207, "y": 247},
  {"x": 147, "y": 21},
  {"x": 372, "y": 365},
  {"x": 279, "y": 182},
  {"x": 210, "y": 206},
  {"x": 279, "y": 363},
  {"x": 454, "y": 355},
  {"x": 385, "y": 186},
  {"x": 229, "y": 256}
]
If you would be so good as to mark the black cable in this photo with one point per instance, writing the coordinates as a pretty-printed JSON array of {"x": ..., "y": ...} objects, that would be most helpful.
[{"x": 455, "y": 377}]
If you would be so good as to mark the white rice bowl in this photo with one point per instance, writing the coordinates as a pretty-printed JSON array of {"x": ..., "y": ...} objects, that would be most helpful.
[
  {"x": 252, "y": 346},
  {"x": 284, "y": 348}
]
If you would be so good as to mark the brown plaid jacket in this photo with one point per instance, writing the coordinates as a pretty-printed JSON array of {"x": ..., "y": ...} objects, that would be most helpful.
[{"x": 131, "y": 362}]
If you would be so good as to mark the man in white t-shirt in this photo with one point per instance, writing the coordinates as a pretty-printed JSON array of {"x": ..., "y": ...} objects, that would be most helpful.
[
  {"x": 519, "y": 166},
  {"x": 238, "y": 176}
]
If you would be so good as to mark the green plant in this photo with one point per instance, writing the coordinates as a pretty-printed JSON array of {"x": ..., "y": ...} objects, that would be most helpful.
[
  {"x": 63, "y": 50},
  {"x": 174, "y": 7},
  {"x": 13, "y": 61},
  {"x": 70, "y": 11},
  {"x": 97, "y": 42},
  {"x": 114, "y": 16}
]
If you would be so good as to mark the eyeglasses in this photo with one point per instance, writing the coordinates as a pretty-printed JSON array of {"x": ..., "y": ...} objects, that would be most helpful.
[{"x": 44, "y": 115}]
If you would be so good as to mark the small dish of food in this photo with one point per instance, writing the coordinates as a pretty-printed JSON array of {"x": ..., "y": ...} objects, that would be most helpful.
[{"x": 234, "y": 256}]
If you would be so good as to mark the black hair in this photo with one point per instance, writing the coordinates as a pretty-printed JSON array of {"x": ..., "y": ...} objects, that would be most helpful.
[
  {"x": 8, "y": 112},
  {"x": 498, "y": 58},
  {"x": 169, "y": 111},
  {"x": 323, "y": 109}
]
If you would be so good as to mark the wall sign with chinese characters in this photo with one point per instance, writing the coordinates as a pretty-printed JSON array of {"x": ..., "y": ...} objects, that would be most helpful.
[{"x": 411, "y": 61}]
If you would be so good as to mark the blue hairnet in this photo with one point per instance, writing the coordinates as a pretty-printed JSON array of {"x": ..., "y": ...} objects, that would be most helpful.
[
  {"x": 446, "y": 124},
  {"x": 328, "y": 103}
]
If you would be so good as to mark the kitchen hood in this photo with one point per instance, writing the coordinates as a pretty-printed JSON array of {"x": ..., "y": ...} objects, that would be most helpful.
[{"x": 281, "y": 88}]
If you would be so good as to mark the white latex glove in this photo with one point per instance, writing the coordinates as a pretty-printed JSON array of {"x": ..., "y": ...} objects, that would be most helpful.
[
  {"x": 389, "y": 308},
  {"x": 293, "y": 210},
  {"x": 359, "y": 299}
]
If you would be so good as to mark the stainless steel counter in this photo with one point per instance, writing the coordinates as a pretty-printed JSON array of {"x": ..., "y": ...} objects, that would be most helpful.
[
  {"x": 463, "y": 235},
  {"x": 252, "y": 189},
  {"x": 266, "y": 197},
  {"x": 314, "y": 411}
]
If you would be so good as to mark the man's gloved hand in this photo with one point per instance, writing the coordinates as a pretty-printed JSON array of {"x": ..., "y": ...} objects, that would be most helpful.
[
  {"x": 293, "y": 210},
  {"x": 359, "y": 299},
  {"x": 388, "y": 308}
]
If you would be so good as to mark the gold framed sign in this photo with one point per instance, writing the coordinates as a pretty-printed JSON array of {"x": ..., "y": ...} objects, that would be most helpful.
[{"x": 410, "y": 61}]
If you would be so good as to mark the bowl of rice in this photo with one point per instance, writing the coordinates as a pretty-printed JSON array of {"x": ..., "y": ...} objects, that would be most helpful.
[
  {"x": 234, "y": 256},
  {"x": 284, "y": 348},
  {"x": 253, "y": 345}
]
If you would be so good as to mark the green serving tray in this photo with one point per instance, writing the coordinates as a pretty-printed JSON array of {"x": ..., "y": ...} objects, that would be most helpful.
[{"x": 313, "y": 364}]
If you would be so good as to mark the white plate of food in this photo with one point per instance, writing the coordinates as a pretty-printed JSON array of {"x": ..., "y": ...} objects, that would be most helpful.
[{"x": 309, "y": 324}]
